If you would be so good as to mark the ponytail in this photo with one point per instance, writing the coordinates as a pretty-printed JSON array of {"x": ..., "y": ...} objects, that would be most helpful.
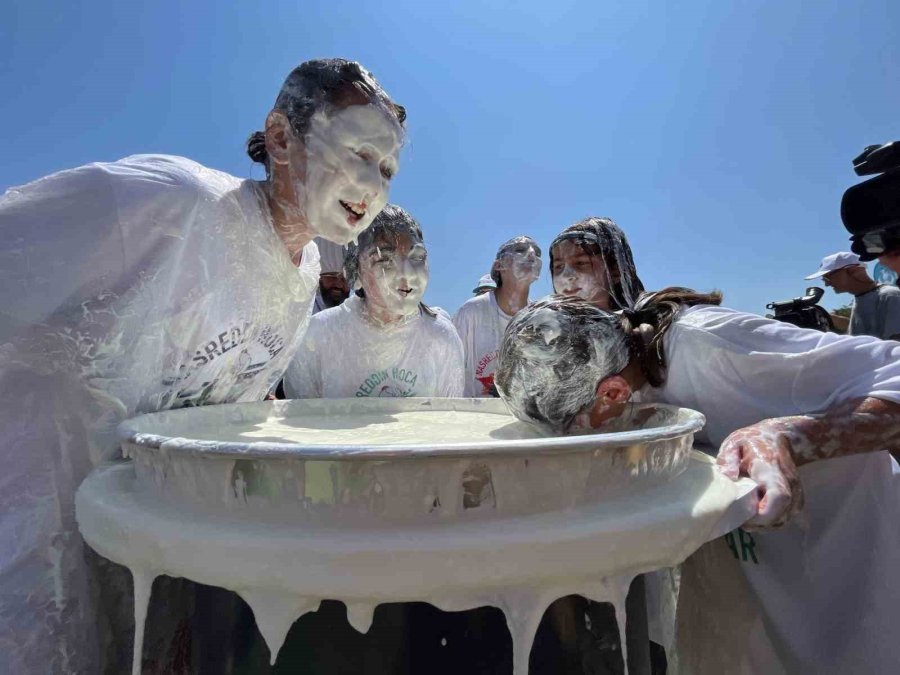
[{"x": 656, "y": 311}]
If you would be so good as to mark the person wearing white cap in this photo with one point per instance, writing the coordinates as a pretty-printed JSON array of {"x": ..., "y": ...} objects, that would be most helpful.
[
  {"x": 876, "y": 307},
  {"x": 482, "y": 319},
  {"x": 333, "y": 286},
  {"x": 485, "y": 284}
]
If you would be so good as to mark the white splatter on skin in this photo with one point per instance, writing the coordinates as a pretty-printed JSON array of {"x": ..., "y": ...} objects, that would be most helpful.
[
  {"x": 770, "y": 451},
  {"x": 336, "y": 179},
  {"x": 578, "y": 273},
  {"x": 393, "y": 272},
  {"x": 522, "y": 262},
  {"x": 519, "y": 266}
]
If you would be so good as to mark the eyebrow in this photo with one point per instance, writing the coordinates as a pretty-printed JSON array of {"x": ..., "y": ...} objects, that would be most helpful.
[
  {"x": 377, "y": 250},
  {"x": 580, "y": 254}
]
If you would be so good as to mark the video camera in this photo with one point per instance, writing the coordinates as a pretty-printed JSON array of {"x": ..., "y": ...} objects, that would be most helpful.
[
  {"x": 871, "y": 210},
  {"x": 804, "y": 312}
]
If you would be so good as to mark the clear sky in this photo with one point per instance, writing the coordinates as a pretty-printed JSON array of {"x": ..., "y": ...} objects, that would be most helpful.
[{"x": 717, "y": 134}]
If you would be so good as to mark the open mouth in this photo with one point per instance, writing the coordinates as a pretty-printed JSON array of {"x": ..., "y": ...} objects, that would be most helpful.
[
  {"x": 405, "y": 292},
  {"x": 355, "y": 211}
]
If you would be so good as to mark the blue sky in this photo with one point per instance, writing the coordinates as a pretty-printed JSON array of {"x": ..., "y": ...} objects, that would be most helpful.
[{"x": 717, "y": 134}]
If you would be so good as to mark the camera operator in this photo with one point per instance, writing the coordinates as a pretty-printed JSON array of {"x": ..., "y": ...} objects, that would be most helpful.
[{"x": 876, "y": 308}]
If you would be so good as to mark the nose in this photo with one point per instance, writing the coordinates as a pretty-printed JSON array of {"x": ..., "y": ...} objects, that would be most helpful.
[
  {"x": 567, "y": 273},
  {"x": 368, "y": 180}
]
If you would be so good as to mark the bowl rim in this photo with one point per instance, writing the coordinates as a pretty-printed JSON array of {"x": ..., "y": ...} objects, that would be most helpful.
[{"x": 132, "y": 431}]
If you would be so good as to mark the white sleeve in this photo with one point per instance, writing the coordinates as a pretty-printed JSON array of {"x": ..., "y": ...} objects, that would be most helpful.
[
  {"x": 768, "y": 360},
  {"x": 847, "y": 368},
  {"x": 463, "y": 322},
  {"x": 452, "y": 380},
  {"x": 303, "y": 377},
  {"x": 62, "y": 242}
]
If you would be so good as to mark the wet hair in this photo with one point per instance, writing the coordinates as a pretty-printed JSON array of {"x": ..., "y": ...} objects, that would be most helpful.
[
  {"x": 392, "y": 222},
  {"x": 556, "y": 351},
  {"x": 601, "y": 236},
  {"x": 506, "y": 247},
  {"x": 318, "y": 84}
]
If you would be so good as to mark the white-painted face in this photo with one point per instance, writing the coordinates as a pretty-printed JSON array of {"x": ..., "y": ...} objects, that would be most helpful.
[
  {"x": 342, "y": 171},
  {"x": 394, "y": 274},
  {"x": 578, "y": 273},
  {"x": 522, "y": 262}
]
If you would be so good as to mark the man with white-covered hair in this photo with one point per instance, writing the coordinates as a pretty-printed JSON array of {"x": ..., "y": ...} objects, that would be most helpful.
[{"x": 482, "y": 319}]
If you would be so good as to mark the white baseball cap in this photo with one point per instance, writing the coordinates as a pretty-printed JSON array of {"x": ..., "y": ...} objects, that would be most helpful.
[
  {"x": 835, "y": 261},
  {"x": 485, "y": 282}
]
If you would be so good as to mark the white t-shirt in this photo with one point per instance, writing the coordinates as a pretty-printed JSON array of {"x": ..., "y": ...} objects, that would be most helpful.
[
  {"x": 822, "y": 594},
  {"x": 134, "y": 286},
  {"x": 481, "y": 323},
  {"x": 345, "y": 355}
]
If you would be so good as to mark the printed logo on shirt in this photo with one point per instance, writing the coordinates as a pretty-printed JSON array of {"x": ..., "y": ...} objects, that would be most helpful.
[
  {"x": 394, "y": 383},
  {"x": 743, "y": 546},
  {"x": 249, "y": 350},
  {"x": 235, "y": 337},
  {"x": 484, "y": 371}
]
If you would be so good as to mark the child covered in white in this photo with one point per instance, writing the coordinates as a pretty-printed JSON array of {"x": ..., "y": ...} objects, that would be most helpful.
[
  {"x": 482, "y": 319},
  {"x": 383, "y": 341}
]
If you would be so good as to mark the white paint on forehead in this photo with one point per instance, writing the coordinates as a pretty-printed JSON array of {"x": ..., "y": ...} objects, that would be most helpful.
[
  {"x": 524, "y": 266},
  {"x": 358, "y": 125},
  {"x": 394, "y": 281}
]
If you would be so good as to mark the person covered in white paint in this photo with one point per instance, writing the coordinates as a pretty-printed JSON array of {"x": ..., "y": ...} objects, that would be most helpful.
[
  {"x": 383, "y": 341},
  {"x": 151, "y": 283},
  {"x": 799, "y": 411},
  {"x": 592, "y": 260},
  {"x": 333, "y": 286},
  {"x": 482, "y": 319}
]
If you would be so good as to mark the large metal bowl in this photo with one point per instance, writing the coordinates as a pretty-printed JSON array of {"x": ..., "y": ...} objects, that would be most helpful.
[{"x": 518, "y": 471}]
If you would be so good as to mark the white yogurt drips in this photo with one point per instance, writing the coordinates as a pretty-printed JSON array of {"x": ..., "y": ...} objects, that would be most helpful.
[{"x": 283, "y": 571}]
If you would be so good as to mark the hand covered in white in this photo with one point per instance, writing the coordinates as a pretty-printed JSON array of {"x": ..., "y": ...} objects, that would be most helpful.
[{"x": 762, "y": 452}]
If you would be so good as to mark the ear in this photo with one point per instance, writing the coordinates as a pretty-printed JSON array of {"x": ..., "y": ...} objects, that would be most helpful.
[
  {"x": 613, "y": 389},
  {"x": 278, "y": 136}
]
